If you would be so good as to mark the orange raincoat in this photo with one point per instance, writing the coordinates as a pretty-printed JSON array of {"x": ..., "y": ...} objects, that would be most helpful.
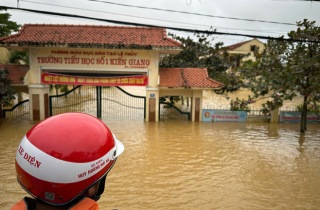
[{"x": 84, "y": 204}]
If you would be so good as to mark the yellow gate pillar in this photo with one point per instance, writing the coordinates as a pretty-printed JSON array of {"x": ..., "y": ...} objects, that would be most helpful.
[{"x": 39, "y": 101}]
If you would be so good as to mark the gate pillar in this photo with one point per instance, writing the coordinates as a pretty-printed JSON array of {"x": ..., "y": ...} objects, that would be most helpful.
[
  {"x": 196, "y": 105},
  {"x": 39, "y": 101},
  {"x": 152, "y": 104}
]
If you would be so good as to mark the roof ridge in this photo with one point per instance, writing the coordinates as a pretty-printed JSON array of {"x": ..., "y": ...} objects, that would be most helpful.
[
  {"x": 86, "y": 25},
  {"x": 235, "y": 46},
  {"x": 170, "y": 39},
  {"x": 239, "y": 43},
  {"x": 13, "y": 64},
  {"x": 31, "y": 34},
  {"x": 187, "y": 77},
  {"x": 212, "y": 80},
  {"x": 14, "y": 35}
]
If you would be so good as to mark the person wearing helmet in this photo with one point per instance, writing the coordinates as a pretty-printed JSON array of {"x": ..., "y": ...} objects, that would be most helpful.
[{"x": 63, "y": 161}]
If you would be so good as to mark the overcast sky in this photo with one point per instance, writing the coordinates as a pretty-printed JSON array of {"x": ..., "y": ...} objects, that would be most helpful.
[{"x": 289, "y": 11}]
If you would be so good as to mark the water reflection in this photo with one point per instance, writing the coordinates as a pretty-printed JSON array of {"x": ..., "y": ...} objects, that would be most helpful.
[
  {"x": 185, "y": 165},
  {"x": 301, "y": 141}
]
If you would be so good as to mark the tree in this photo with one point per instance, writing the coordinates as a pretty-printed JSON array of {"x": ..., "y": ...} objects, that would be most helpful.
[
  {"x": 7, "y": 26},
  {"x": 201, "y": 53},
  {"x": 6, "y": 92},
  {"x": 19, "y": 57},
  {"x": 285, "y": 69}
]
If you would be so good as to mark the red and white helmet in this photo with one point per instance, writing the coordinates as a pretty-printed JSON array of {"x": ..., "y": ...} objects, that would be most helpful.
[{"x": 64, "y": 155}]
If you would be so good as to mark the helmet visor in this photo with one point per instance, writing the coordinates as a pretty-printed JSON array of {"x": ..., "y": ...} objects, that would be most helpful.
[{"x": 119, "y": 146}]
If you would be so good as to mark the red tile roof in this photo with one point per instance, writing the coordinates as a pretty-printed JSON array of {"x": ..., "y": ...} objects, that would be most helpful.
[
  {"x": 187, "y": 77},
  {"x": 232, "y": 47},
  {"x": 16, "y": 71},
  {"x": 39, "y": 34}
]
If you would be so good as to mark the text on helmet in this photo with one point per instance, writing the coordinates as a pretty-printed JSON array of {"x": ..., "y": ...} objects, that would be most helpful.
[
  {"x": 94, "y": 167},
  {"x": 29, "y": 158}
]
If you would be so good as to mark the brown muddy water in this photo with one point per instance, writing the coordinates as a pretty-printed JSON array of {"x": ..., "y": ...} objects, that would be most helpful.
[{"x": 185, "y": 165}]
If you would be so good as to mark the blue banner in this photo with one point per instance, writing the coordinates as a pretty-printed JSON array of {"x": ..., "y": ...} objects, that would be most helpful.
[
  {"x": 294, "y": 117},
  {"x": 223, "y": 116}
]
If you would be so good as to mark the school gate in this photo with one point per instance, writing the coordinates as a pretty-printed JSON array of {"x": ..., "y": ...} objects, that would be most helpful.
[
  {"x": 99, "y": 58},
  {"x": 106, "y": 102}
]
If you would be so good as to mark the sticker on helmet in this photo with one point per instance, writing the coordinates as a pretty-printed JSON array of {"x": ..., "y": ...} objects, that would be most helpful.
[{"x": 49, "y": 196}]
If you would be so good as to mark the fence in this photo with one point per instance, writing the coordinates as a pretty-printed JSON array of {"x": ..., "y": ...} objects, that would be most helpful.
[
  {"x": 103, "y": 102},
  {"x": 79, "y": 99},
  {"x": 119, "y": 104},
  {"x": 253, "y": 113},
  {"x": 253, "y": 110},
  {"x": 288, "y": 109},
  {"x": 20, "y": 110},
  {"x": 168, "y": 111}
]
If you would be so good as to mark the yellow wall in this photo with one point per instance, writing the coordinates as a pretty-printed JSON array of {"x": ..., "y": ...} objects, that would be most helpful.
[
  {"x": 176, "y": 92},
  {"x": 98, "y": 60},
  {"x": 79, "y": 60},
  {"x": 245, "y": 49},
  {"x": 4, "y": 55}
]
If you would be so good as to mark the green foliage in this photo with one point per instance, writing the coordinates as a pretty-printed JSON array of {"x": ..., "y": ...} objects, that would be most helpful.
[
  {"x": 286, "y": 68},
  {"x": 172, "y": 99},
  {"x": 19, "y": 57},
  {"x": 64, "y": 88},
  {"x": 239, "y": 105},
  {"x": 51, "y": 87},
  {"x": 7, "y": 26},
  {"x": 202, "y": 54},
  {"x": 311, "y": 108},
  {"x": 6, "y": 92},
  {"x": 54, "y": 87}
]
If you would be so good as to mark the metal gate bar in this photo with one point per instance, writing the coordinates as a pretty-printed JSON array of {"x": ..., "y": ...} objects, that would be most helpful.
[
  {"x": 169, "y": 111},
  {"x": 119, "y": 104},
  {"x": 83, "y": 100},
  {"x": 20, "y": 110},
  {"x": 100, "y": 101}
]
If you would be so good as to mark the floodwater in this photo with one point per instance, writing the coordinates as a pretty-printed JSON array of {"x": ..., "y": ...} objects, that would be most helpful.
[{"x": 185, "y": 165}]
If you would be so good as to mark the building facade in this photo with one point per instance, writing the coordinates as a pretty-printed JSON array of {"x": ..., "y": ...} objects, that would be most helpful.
[{"x": 103, "y": 55}]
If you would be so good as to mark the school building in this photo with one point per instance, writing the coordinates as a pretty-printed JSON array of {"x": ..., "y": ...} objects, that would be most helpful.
[{"x": 102, "y": 56}]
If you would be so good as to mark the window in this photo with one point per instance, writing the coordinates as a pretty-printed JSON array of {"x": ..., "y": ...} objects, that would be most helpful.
[
  {"x": 238, "y": 62},
  {"x": 253, "y": 48}
]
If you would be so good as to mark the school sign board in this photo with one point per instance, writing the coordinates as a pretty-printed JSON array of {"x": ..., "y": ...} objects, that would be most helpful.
[
  {"x": 50, "y": 78},
  {"x": 294, "y": 117},
  {"x": 223, "y": 116}
]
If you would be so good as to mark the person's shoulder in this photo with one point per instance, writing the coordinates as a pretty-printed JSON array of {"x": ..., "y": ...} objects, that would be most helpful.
[
  {"x": 85, "y": 204},
  {"x": 25, "y": 204}
]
